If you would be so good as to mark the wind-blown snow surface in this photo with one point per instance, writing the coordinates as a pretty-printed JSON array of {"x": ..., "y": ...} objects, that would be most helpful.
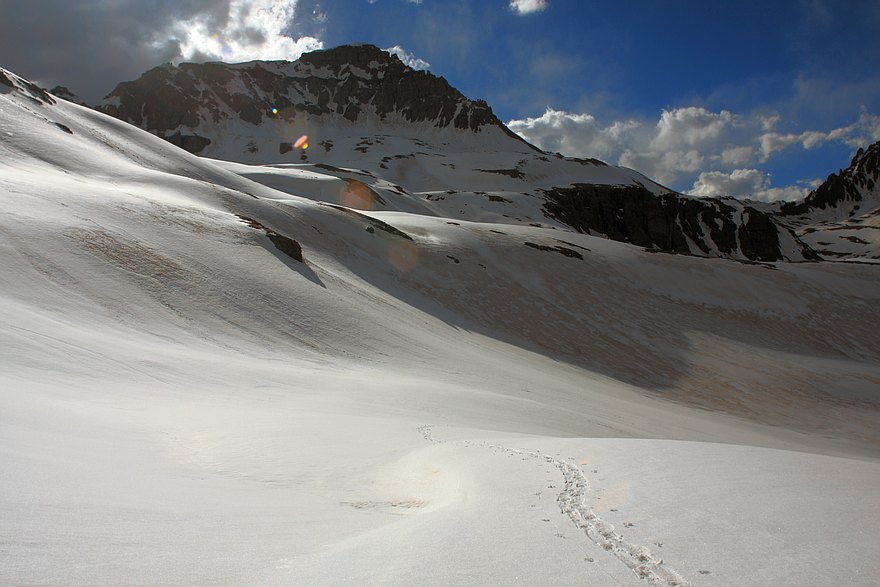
[{"x": 433, "y": 403}]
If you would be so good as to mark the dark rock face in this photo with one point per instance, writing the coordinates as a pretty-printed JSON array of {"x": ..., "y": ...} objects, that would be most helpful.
[
  {"x": 285, "y": 244},
  {"x": 392, "y": 87},
  {"x": 163, "y": 99},
  {"x": 759, "y": 237},
  {"x": 29, "y": 89},
  {"x": 628, "y": 214},
  {"x": 562, "y": 250},
  {"x": 349, "y": 81},
  {"x": 65, "y": 94},
  {"x": 191, "y": 143},
  {"x": 666, "y": 222},
  {"x": 842, "y": 187}
]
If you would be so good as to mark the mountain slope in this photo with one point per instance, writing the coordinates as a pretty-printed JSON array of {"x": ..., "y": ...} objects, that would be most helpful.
[
  {"x": 421, "y": 145},
  {"x": 184, "y": 400},
  {"x": 841, "y": 218}
]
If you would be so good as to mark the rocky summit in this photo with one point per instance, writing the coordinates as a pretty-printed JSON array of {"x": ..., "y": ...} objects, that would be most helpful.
[
  {"x": 351, "y": 82},
  {"x": 840, "y": 219}
]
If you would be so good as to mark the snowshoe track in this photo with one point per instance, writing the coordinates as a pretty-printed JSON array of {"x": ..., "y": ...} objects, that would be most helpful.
[{"x": 572, "y": 502}]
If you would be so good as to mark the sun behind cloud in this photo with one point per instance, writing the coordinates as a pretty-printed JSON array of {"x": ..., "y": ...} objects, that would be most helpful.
[{"x": 250, "y": 29}]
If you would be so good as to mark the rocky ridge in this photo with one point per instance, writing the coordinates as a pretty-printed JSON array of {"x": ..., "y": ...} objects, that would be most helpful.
[
  {"x": 348, "y": 83},
  {"x": 675, "y": 223},
  {"x": 845, "y": 190},
  {"x": 840, "y": 219}
]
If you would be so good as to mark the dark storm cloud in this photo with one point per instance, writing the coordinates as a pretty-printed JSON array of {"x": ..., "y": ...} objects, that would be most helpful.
[{"x": 91, "y": 45}]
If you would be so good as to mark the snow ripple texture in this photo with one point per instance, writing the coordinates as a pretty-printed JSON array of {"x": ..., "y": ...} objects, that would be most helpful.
[{"x": 572, "y": 502}]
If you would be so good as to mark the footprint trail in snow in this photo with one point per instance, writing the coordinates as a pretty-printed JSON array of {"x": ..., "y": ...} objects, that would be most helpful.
[{"x": 572, "y": 502}]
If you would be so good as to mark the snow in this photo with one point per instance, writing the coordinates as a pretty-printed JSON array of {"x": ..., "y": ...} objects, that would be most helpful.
[
  {"x": 848, "y": 231},
  {"x": 182, "y": 403}
]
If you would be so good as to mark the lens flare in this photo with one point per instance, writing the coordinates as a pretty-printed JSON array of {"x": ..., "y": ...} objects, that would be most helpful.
[
  {"x": 274, "y": 110},
  {"x": 358, "y": 195},
  {"x": 302, "y": 142},
  {"x": 404, "y": 256}
]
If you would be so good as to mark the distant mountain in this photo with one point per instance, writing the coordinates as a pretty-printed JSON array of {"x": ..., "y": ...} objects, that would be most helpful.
[
  {"x": 421, "y": 146},
  {"x": 841, "y": 218},
  {"x": 353, "y": 83},
  {"x": 65, "y": 94}
]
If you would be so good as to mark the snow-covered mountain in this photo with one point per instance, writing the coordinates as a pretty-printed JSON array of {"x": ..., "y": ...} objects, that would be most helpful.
[
  {"x": 421, "y": 146},
  {"x": 840, "y": 219},
  {"x": 234, "y": 111},
  {"x": 207, "y": 379}
]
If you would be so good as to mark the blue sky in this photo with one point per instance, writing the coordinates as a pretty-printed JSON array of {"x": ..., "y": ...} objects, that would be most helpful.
[
  {"x": 747, "y": 98},
  {"x": 778, "y": 68}
]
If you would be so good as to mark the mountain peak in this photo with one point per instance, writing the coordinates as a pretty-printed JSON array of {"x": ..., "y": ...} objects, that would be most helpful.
[
  {"x": 346, "y": 85},
  {"x": 362, "y": 55},
  {"x": 846, "y": 189},
  {"x": 839, "y": 218}
]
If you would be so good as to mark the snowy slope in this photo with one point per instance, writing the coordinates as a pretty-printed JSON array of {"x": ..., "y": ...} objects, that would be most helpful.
[{"x": 423, "y": 400}]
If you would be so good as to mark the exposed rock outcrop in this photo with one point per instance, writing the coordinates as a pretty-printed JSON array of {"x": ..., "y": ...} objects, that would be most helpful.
[
  {"x": 844, "y": 189},
  {"x": 841, "y": 218},
  {"x": 191, "y": 143},
  {"x": 65, "y": 94},
  {"x": 670, "y": 222},
  {"x": 33, "y": 92}
]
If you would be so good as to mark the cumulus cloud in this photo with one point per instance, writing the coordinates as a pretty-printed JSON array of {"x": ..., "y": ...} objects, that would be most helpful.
[
  {"x": 737, "y": 155},
  {"x": 865, "y": 130},
  {"x": 689, "y": 127},
  {"x": 528, "y": 6},
  {"x": 575, "y": 134},
  {"x": 408, "y": 58},
  {"x": 714, "y": 152},
  {"x": 91, "y": 46},
  {"x": 750, "y": 184},
  {"x": 682, "y": 141},
  {"x": 740, "y": 182},
  {"x": 243, "y": 30}
]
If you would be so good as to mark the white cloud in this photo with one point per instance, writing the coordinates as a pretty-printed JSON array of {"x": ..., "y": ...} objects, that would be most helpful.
[
  {"x": 738, "y": 183},
  {"x": 408, "y": 58},
  {"x": 863, "y": 131},
  {"x": 683, "y": 142},
  {"x": 243, "y": 31},
  {"x": 574, "y": 134},
  {"x": 689, "y": 127},
  {"x": 528, "y": 6},
  {"x": 737, "y": 155},
  {"x": 750, "y": 184}
]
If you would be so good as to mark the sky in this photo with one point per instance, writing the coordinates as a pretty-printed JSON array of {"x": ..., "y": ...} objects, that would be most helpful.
[{"x": 748, "y": 98}]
